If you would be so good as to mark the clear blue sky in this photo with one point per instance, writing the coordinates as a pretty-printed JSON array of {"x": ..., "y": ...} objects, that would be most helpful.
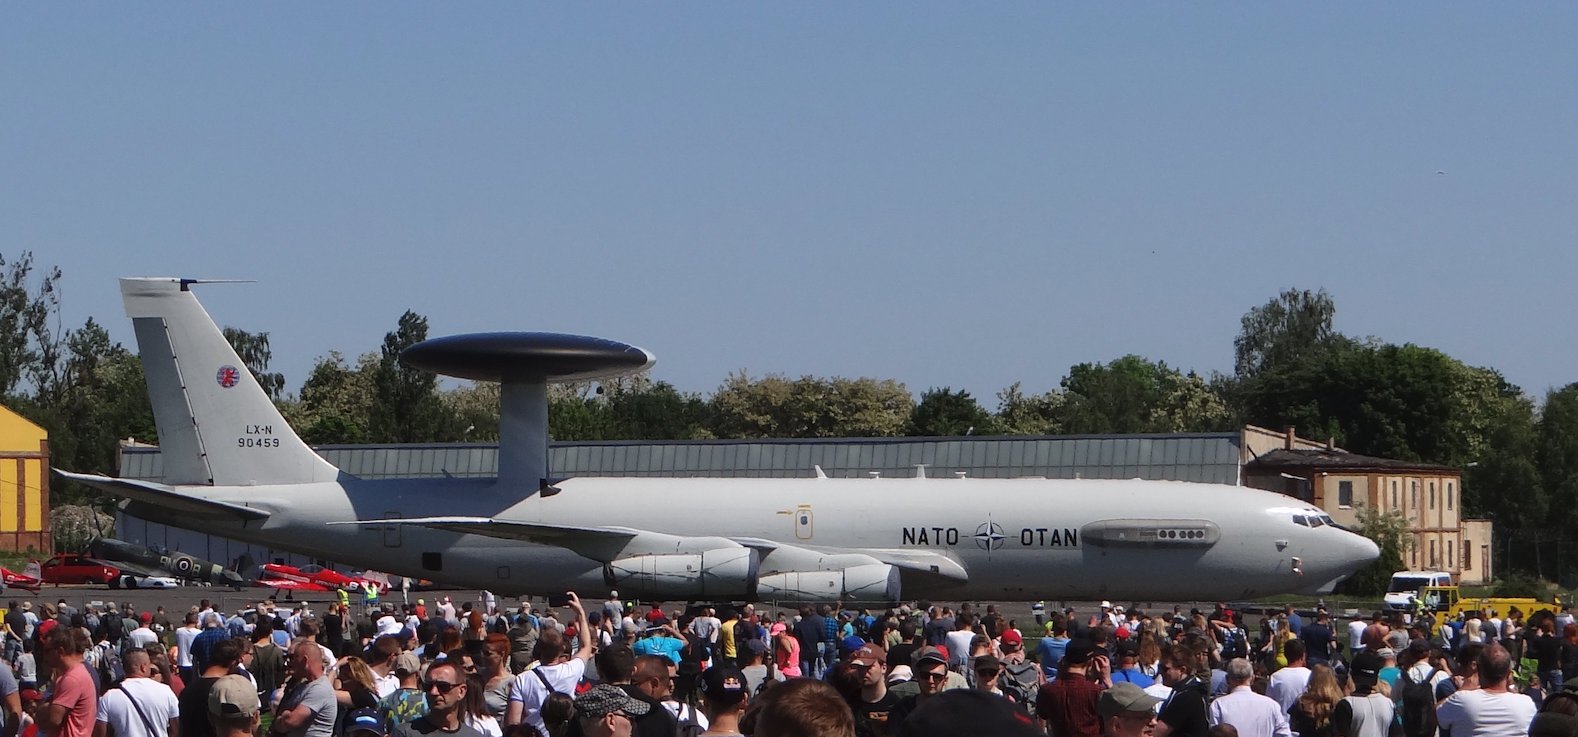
[{"x": 945, "y": 194}]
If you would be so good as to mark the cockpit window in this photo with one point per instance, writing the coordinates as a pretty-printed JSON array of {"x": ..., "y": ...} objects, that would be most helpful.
[
  {"x": 1317, "y": 520},
  {"x": 1299, "y": 519}
]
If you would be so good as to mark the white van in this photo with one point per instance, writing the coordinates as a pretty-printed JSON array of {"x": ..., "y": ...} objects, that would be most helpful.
[{"x": 1406, "y": 584}]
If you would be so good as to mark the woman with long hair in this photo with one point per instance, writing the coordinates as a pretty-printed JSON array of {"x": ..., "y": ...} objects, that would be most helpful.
[
  {"x": 474, "y": 710},
  {"x": 496, "y": 675},
  {"x": 1311, "y": 714},
  {"x": 355, "y": 687},
  {"x": 1150, "y": 653}
]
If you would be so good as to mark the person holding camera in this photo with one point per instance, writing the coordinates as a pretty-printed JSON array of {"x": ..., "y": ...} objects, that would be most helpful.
[{"x": 558, "y": 669}]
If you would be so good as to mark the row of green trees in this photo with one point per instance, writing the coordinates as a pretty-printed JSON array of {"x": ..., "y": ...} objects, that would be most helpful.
[{"x": 1291, "y": 367}]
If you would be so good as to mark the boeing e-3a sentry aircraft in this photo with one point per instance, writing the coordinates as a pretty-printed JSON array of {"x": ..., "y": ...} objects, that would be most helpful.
[{"x": 234, "y": 468}]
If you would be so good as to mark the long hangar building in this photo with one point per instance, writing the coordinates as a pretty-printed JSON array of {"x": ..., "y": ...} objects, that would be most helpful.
[{"x": 1319, "y": 473}]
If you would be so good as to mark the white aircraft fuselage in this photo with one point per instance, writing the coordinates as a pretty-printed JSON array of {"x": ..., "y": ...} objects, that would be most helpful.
[{"x": 235, "y": 469}]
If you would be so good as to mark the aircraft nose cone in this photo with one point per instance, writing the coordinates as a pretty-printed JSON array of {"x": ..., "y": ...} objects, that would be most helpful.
[{"x": 1361, "y": 551}]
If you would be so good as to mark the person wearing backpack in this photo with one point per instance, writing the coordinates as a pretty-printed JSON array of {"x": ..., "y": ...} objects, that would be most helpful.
[
  {"x": 1020, "y": 676},
  {"x": 1414, "y": 693}
]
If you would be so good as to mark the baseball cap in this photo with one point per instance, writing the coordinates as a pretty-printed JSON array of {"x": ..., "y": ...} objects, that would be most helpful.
[
  {"x": 406, "y": 663},
  {"x": 967, "y": 713},
  {"x": 1106, "y": 605},
  {"x": 1386, "y": 652},
  {"x": 928, "y": 654},
  {"x": 1012, "y": 637},
  {"x": 603, "y": 700},
  {"x": 869, "y": 654},
  {"x": 852, "y": 643},
  {"x": 145, "y": 617},
  {"x": 1365, "y": 668},
  {"x": 233, "y": 696},
  {"x": 1125, "y": 697},
  {"x": 900, "y": 674},
  {"x": 755, "y": 647},
  {"x": 723, "y": 684},
  {"x": 365, "y": 719},
  {"x": 1079, "y": 651}
]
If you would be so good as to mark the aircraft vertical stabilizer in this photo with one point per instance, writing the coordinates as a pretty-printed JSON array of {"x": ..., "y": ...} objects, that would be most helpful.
[{"x": 216, "y": 425}]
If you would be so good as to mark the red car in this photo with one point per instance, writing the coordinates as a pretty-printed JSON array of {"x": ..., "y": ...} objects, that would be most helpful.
[{"x": 77, "y": 569}]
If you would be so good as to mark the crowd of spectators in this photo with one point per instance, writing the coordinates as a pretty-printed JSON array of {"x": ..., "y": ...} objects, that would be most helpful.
[{"x": 474, "y": 669}]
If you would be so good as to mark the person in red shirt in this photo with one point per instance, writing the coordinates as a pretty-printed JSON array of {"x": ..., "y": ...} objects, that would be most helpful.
[
  {"x": 73, "y": 703},
  {"x": 656, "y": 615},
  {"x": 1068, "y": 704}
]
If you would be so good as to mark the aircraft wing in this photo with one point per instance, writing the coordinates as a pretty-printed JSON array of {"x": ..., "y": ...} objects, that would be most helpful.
[
  {"x": 280, "y": 583},
  {"x": 921, "y": 561},
  {"x": 596, "y": 543},
  {"x": 168, "y": 498},
  {"x": 133, "y": 569}
]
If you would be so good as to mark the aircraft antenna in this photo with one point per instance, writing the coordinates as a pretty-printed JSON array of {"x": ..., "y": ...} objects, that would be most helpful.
[{"x": 524, "y": 364}]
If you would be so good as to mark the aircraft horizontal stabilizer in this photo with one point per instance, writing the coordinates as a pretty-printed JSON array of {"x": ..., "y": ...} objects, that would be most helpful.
[{"x": 166, "y": 498}]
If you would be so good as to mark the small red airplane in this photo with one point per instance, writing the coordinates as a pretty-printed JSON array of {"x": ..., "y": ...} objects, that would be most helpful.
[
  {"x": 313, "y": 578},
  {"x": 30, "y": 579}
]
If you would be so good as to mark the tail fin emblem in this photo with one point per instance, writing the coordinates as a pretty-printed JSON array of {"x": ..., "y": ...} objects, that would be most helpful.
[{"x": 228, "y": 376}]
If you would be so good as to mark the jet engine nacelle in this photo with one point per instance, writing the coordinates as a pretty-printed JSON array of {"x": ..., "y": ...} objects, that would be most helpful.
[
  {"x": 722, "y": 572},
  {"x": 873, "y": 582}
]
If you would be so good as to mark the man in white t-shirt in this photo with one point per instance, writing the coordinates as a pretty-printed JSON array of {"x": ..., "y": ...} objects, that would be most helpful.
[
  {"x": 558, "y": 670},
  {"x": 156, "y": 700},
  {"x": 1290, "y": 681},
  {"x": 1490, "y": 710},
  {"x": 184, "y": 635}
]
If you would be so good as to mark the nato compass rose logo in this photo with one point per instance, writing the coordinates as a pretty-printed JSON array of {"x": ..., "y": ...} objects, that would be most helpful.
[
  {"x": 228, "y": 376},
  {"x": 989, "y": 536}
]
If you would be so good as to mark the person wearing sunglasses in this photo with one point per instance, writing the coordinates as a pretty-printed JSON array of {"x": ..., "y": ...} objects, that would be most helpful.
[
  {"x": 930, "y": 667},
  {"x": 309, "y": 708},
  {"x": 607, "y": 711},
  {"x": 446, "y": 690}
]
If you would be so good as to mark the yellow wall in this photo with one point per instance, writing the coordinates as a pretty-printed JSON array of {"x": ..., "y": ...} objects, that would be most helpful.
[
  {"x": 18, "y": 435},
  {"x": 32, "y": 495}
]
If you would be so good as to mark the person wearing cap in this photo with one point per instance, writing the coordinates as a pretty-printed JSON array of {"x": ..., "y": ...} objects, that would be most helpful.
[
  {"x": 233, "y": 708},
  {"x": 1068, "y": 704},
  {"x": 117, "y": 715},
  {"x": 607, "y": 711},
  {"x": 1250, "y": 713},
  {"x": 1127, "y": 669},
  {"x": 931, "y": 677},
  {"x": 876, "y": 701},
  {"x": 724, "y": 694},
  {"x": 446, "y": 688},
  {"x": 1366, "y": 712},
  {"x": 1491, "y": 709},
  {"x": 408, "y": 702},
  {"x": 755, "y": 664},
  {"x": 143, "y": 635},
  {"x": 365, "y": 722},
  {"x": 1127, "y": 711},
  {"x": 1389, "y": 669}
]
